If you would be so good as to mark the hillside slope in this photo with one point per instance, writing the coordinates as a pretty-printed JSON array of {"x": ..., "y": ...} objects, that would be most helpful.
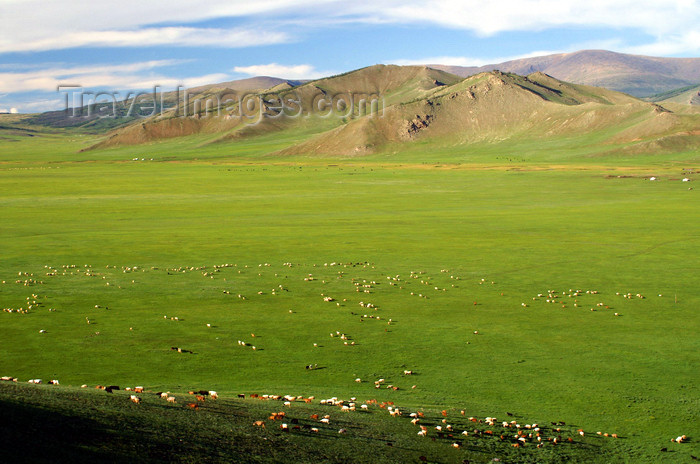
[
  {"x": 686, "y": 95},
  {"x": 87, "y": 426},
  {"x": 97, "y": 117},
  {"x": 235, "y": 118},
  {"x": 333, "y": 116},
  {"x": 494, "y": 107}
]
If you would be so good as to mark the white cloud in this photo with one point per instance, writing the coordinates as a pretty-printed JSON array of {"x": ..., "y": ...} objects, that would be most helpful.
[
  {"x": 120, "y": 78},
  {"x": 139, "y": 75},
  {"x": 467, "y": 61},
  {"x": 14, "y": 111},
  {"x": 40, "y": 25},
  {"x": 487, "y": 18},
  {"x": 39, "y": 104},
  {"x": 151, "y": 36},
  {"x": 35, "y": 25},
  {"x": 668, "y": 45},
  {"x": 299, "y": 71}
]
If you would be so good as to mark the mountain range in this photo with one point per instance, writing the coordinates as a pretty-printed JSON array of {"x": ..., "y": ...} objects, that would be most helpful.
[
  {"x": 388, "y": 108},
  {"x": 640, "y": 76}
]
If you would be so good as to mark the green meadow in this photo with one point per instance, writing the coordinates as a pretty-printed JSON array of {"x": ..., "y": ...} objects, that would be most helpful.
[{"x": 549, "y": 282}]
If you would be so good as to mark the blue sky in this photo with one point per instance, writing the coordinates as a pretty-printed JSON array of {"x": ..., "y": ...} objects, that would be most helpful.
[{"x": 133, "y": 45}]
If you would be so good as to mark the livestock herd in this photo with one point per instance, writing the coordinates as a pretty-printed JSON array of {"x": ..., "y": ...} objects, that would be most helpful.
[
  {"x": 449, "y": 426},
  {"x": 457, "y": 428}
]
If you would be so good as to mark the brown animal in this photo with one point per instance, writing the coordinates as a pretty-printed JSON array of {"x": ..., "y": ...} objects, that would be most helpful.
[
  {"x": 259, "y": 424},
  {"x": 200, "y": 398}
]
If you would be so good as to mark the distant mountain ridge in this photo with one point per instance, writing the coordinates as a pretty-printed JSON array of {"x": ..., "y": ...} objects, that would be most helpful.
[
  {"x": 97, "y": 118},
  {"x": 637, "y": 75},
  {"x": 652, "y": 78}
]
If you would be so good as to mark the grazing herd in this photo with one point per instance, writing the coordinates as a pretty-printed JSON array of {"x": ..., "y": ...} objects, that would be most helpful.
[
  {"x": 456, "y": 431},
  {"x": 451, "y": 427}
]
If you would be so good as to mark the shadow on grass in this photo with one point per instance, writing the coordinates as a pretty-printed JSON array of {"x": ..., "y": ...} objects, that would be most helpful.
[{"x": 32, "y": 434}]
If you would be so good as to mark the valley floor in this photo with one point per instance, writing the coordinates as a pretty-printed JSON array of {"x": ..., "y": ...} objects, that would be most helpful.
[{"x": 558, "y": 290}]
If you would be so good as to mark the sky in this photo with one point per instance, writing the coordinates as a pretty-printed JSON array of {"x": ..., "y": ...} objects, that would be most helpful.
[{"x": 131, "y": 45}]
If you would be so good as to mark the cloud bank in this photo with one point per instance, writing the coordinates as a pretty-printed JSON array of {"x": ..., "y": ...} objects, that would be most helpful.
[{"x": 36, "y": 25}]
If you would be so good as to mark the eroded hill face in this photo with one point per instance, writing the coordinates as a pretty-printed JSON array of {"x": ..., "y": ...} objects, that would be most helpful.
[
  {"x": 495, "y": 107},
  {"x": 324, "y": 103}
]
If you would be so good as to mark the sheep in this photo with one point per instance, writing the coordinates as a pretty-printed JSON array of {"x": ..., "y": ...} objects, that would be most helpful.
[
  {"x": 170, "y": 399},
  {"x": 135, "y": 399}
]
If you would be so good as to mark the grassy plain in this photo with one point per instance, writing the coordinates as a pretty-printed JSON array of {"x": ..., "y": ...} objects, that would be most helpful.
[{"x": 525, "y": 217}]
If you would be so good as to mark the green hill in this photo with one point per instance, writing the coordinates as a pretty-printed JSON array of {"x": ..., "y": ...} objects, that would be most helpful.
[
  {"x": 333, "y": 116},
  {"x": 686, "y": 95},
  {"x": 495, "y": 107}
]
